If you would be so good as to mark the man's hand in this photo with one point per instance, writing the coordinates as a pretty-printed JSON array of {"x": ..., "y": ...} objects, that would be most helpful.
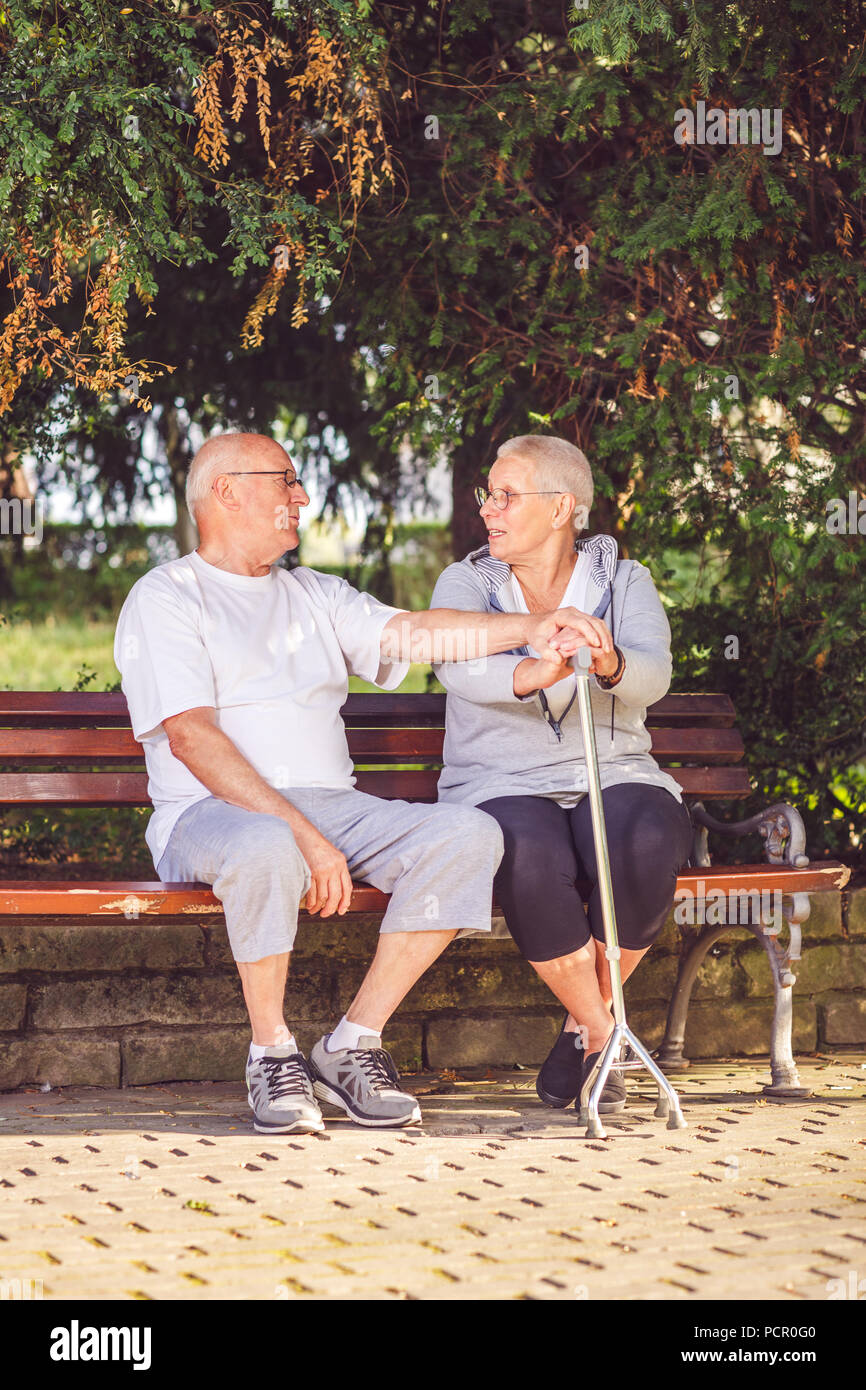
[
  {"x": 557, "y": 636},
  {"x": 330, "y": 887},
  {"x": 197, "y": 742}
]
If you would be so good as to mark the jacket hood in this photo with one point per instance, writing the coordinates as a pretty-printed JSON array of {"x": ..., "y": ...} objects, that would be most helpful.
[{"x": 603, "y": 552}]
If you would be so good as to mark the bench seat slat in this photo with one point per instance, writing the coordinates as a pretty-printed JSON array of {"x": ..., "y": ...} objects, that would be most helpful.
[{"x": 122, "y": 897}]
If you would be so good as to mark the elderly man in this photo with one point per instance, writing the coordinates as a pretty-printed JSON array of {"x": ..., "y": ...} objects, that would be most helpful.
[{"x": 235, "y": 671}]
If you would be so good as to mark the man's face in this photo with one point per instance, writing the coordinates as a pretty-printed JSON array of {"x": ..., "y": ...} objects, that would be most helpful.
[{"x": 268, "y": 505}]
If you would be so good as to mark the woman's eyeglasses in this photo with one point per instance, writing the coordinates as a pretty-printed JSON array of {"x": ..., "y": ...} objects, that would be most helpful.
[{"x": 500, "y": 496}]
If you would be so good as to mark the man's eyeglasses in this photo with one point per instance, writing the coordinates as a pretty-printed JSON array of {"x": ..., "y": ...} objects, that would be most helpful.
[
  {"x": 500, "y": 497},
  {"x": 266, "y": 473}
]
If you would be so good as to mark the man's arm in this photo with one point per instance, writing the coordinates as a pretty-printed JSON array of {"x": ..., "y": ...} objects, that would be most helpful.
[
  {"x": 500, "y": 678},
  {"x": 451, "y": 634},
  {"x": 196, "y": 740}
]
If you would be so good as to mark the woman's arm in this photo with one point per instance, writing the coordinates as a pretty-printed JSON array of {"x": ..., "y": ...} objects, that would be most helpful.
[
  {"x": 489, "y": 680},
  {"x": 644, "y": 637}
]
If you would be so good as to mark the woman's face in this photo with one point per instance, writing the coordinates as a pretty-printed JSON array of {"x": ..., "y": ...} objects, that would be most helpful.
[{"x": 527, "y": 521}]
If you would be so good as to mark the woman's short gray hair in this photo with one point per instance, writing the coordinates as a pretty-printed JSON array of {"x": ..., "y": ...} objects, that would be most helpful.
[{"x": 557, "y": 467}]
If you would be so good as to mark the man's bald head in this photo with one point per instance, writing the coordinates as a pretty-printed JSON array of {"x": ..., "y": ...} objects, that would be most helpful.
[{"x": 227, "y": 453}]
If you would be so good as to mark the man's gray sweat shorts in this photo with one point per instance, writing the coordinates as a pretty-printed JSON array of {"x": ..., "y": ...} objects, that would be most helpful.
[{"x": 437, "y": 862}]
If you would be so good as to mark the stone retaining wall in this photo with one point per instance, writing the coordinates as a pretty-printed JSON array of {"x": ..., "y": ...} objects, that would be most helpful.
[{"x": 110, "y": 1002}]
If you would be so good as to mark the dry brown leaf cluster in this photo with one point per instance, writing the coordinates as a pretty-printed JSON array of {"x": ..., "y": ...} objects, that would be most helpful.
[
  {"x": 327, "y": 127},
  {"x": 319, "y": 118}
]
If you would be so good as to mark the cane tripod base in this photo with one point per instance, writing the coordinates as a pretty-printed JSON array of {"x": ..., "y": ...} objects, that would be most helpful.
[
  {"x": 668, "y": 1106},
  {"x": 668, "y": 1103}
]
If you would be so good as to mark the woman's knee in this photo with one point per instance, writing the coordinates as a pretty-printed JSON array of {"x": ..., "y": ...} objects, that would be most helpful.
[
  {"x": 639, "y": 933},
  {"x": 642, "y": 903},
  {"x": 538, "y": 848},
  {"x": 562, "y": 963}
]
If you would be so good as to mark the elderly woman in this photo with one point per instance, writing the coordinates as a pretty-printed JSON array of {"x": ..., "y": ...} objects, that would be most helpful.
[{"x": 513, "y": 745}]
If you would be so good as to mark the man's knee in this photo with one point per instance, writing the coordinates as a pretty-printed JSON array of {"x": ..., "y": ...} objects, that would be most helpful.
[
  {"x": 265, "y": 848},
  {"x": 473, "y": 833}
]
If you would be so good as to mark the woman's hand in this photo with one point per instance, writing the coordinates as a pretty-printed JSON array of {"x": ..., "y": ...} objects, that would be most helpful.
[
  {"x": 534, "y": 674},
  {"x": 539, "y": 673},
  {"x": 604, "y": 663}
]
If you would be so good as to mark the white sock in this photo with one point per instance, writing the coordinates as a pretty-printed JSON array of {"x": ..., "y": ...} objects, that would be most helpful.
[
  {"x": 283, "y": 1039},
  {"x": 348, "y": 1034}
]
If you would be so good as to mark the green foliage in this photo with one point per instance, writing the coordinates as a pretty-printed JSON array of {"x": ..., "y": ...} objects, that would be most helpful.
[
  {"x": 407, "y": 567},
  {"x": 128, "y": 129},
  {"x": 85, "y": 570},
  {"x": 711, "y": 359},
  {"x": 797, "y": 683}
]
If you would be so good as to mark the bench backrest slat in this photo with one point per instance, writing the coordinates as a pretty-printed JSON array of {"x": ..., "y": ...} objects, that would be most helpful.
[
  {"x": 61, "y": 709},
  {"x": 395, "y": 741},
  {"x": 411, "y": 784},
  {"x": 376, "y": 745}
]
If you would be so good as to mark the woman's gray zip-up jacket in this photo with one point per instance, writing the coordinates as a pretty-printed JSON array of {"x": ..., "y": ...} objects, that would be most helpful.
[{"x": 501, "y": 744}]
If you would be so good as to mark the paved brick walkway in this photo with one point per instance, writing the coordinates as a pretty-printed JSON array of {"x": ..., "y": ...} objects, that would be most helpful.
[{"x": 166, "y": 1192}]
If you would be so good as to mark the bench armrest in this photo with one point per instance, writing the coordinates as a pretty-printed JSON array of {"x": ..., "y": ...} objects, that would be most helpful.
[{"x": 780, "y": 827}]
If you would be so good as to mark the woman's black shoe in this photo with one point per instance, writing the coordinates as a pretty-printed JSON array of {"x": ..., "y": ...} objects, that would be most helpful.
[
  {"x": 613, "y": 1096},
  {"x": 561, "y": 1074}
]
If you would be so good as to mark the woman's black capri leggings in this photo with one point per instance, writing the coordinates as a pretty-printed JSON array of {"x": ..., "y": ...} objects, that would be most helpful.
[{"x": 548, "y": 848}]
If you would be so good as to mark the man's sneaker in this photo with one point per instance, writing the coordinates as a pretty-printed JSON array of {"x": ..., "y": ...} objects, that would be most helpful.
[
  {"x": 280, "y": 1093},
  {"x": 364, "y": 1082}
]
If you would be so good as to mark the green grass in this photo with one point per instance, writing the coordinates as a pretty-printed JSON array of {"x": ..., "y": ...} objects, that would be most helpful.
[{"x": 52, "y": 655}]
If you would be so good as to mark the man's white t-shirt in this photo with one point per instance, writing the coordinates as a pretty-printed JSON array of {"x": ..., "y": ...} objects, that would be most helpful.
[{"x": 271, "y": 654}]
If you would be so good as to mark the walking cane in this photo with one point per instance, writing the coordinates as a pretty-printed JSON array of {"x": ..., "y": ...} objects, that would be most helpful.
[{"x": 668, "y": 1105}]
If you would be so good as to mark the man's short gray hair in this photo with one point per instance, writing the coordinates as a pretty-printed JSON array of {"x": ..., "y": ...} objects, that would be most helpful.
[
  {"x": 557, "y": 467},
  {"x": 213, "y": 458}
]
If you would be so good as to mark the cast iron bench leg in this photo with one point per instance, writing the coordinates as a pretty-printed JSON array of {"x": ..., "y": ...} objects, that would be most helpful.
[
  {"x": 785, "y": 1079},
  {"x": 670, "y": 1054}
]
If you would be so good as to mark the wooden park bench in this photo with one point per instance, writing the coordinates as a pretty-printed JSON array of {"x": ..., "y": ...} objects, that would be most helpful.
[{"x": 72, "y": 750}]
